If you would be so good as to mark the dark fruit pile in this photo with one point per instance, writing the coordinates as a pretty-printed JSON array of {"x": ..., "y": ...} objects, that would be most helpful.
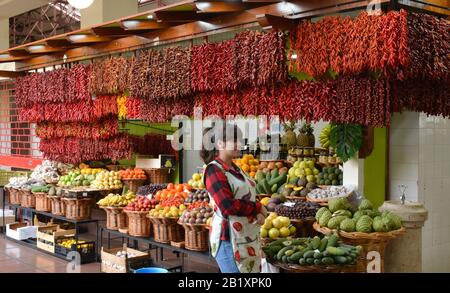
[
  {"x": 197, "y": 216},
  {"x": 301, "y": 210},
  {"x": 198, "y": 195},
  {"x": 150, "y": 189}
]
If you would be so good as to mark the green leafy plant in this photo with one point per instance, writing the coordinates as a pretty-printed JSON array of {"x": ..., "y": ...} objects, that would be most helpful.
[{"x": 346, "y": 139}]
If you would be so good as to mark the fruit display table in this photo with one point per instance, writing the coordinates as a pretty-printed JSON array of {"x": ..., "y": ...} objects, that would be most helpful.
[
  {"x": 152, "y": 243},
  {"x": 32, "y": 243}
]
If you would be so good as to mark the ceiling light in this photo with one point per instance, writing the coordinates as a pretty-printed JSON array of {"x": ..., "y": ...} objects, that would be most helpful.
[{"x": 81, "y": 4}]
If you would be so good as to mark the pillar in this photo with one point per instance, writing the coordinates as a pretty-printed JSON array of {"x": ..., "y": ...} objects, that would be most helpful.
[
  {"x": 4, "y": 43},
  {"x": 106, "y": 10}
]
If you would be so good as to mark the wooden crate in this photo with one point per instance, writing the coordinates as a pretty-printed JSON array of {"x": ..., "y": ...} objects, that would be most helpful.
[
  {"x": 114, "y": 264},
  {"x": 20, "y": 231},
  {"x": 48, "y": 242}
]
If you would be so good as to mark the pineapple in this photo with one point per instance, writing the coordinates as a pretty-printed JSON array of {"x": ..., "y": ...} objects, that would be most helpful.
[
  {"x": 306, "y": 137},
  {"x": 289, "y": 138}
]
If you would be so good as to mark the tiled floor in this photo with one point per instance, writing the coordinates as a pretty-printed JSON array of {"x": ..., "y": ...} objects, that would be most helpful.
[{"x": 15, "y": 258}]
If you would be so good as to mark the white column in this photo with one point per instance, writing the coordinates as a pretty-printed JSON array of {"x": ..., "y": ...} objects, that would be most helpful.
[
  {"x": 4, "y": 43},
  {"x": 354, "y": 173}
]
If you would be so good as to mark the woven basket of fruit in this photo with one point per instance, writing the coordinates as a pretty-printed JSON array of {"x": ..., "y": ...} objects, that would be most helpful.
[
  {"x": 166, "y": 230},
  {"x": 157, "y": 176},
  {"x": 293, "y": 268},
  {"x": 27, "y": 199},
  {"x": 14, "y": 196},
  {"x": 325, "y": 193},
  {"x": 138, "y": 223},
  {"x": 115, "y": 218},
  {"x": 196, "y": 237},
  {"x": 58, "y": 207},
  {"x": 43, "y": 203},
  {"x": 78, "y": 209}
]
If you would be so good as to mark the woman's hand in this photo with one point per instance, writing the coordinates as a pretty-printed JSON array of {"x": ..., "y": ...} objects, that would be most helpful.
[{"x": 260, "y": 219}]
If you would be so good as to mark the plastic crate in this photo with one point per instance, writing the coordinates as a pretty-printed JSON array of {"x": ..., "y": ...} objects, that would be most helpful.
[
  {"x": 86, "y": 250},
  {"x": 6, "y": 175}
]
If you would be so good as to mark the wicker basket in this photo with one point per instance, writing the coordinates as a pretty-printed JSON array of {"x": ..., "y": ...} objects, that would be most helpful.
[
  {"x": 134, "y": 184},
  {"x": 157, "y": 176},
  {"x": 58, "y": 206},
  {"x": 27, "y": 199},
  {"x": 196, "y": 237},
  {"x": 138, "y": 224},
  {"x": 369, "y": 242},
  {"x": 15, "y": 196},
  {"x": 115, "y": 218},
  {"x": 78, "y": 209},
  {"x": 293, "y": 268},
  {"x": 167, "y": 230},
  {"x": 43, "y": 203}
]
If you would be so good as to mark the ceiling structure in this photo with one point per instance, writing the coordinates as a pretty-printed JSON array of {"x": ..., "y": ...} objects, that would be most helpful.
[{"x": 180, "y": 21}]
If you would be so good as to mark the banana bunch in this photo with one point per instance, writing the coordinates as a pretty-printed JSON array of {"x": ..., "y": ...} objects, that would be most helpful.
[
  {"x": 117, "y": 200},
  {"x": 324, "y": 137}
]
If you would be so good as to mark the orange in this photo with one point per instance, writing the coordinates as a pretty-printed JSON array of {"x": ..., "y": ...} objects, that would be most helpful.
[
  {"x": 256, "y": 162},
  {"x": 253, "y": 168},
  {"x": 245, "y": 168},
  {"x": 244, "y": 161},
  {"x": 253, "y": 174}
]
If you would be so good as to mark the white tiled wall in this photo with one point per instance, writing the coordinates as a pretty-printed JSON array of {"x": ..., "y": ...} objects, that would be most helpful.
[{"x": 428, "y": 178}]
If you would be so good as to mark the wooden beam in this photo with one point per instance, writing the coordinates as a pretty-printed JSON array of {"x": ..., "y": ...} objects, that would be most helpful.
[
  {"x": 183, "y": 16},
  {"x": 19, "y": 53},
  {"x": 59, "y": 43},
  {"x": 42, "y": 49},
  {"x": 142, "y": 25},
  {"x": 277, "y": 22},
  {"x": 86, "y": 39},
  {"x": 215, "y": 7},
  {"x": 12, "y": 74}
]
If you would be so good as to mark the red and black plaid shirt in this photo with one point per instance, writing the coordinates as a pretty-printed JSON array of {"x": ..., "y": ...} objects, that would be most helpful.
[{"x": 219, "y": 188}]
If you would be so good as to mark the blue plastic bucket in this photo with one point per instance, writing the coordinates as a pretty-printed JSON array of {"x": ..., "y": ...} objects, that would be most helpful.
[{"x": 152, "y": 271}]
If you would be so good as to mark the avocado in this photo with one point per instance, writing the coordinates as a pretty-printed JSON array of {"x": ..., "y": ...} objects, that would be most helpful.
[
  {"x": 310, "y": 186},
  {"x": 295, "y": 193},
  {"x": 301, "y": 182},
  {"x": 304, "y": 192}
]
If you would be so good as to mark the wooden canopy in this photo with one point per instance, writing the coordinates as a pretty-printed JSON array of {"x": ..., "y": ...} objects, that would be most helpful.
[{"x": 180, "y": 21}]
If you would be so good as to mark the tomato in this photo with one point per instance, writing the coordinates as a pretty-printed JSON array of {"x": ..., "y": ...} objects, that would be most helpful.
[
  {"x": 179, "y": 187},
  {"x": 170, "y": 186}
]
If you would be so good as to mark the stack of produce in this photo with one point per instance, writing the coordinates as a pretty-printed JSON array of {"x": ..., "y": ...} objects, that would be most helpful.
[
  {"x": 151, "y": 189},
  {"x": 43, "y": 189},
  {"x": 69, "y": 242},
  {"x": 277, "y": 226},
  {"x": 197, "y": 181},
  {"x": 197, "y": 216},
  {"x": 273, "y": 201},
  {"x": 168, "y": 208},
  {"x": 180, "y": 191},
  {"x": 331, "y": 176},
  {"x": 299, "y": 210},
  {"x": 107, "y": 181},
  {"x": 331, "y": 192},
  {"x": 18, "y": 182},
  {"x": 270, "y": 182},
  {"x": 248, "y": 164},
  {"x": 139, "y": 204},
  {"x": 76, "y": 179},
  {"x": 313, "y": 251},
  {"x": 47, "y": 171},
  {"x": 198, "y": 196},
  {"x": 304, "y": 170},
  {"x": 91, "y": 171},
  {"x": 117, "y": 200},
  {"x": 297, "y": 187},
  {"x": 341, "y": 215},
  {"x": 129, "y": 174}
]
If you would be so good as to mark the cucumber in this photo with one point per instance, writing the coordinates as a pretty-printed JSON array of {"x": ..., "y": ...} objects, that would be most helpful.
[
  {"x": 350, "y": 259},
  {"x": 259, "y": 176},
  {"x": 308, "y": 254},
  {"x": 318, "y": 255},
  {"x": 323, "y": 244},
  {"x": 316, "y": 242},
  {"x": 310, "y": 260},
  {"x": 325, "y": 253},
  {"x": 295, "y": 257},
  {"x": 273, "y": 174},
  {"x": 281, "y": 253},
  {"x": 289, "y": 252},
  {"x": 332, "y": 240},
  {"x": 327, "y": 260},
  {"x": 266, "y": 187},
  {"x": 274, "y": 188},
  {"x": 278, "y": 180},
  {"x": 317, "y": 261},
  {"x": 258, "y": 190},
  {"x": 342, "y": 260},
  {"x": 268, "y": 176},
  {"x": 336, "y": 251},
  {"x": 302, "y": 262},
  {"x": 284, "y": 258}
]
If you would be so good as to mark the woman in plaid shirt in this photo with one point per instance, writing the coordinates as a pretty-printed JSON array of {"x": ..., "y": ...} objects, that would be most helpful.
[{"x": 234, "y": 233}]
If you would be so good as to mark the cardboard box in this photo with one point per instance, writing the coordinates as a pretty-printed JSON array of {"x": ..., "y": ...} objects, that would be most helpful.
[
  {"x": 144, "y": 162},
  {"x": 111, "y": 263},
  {"x": 21, "y": 231}
]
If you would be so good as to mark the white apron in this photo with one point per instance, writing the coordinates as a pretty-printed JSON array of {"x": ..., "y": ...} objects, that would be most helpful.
[{"x": 244, "y": 232}]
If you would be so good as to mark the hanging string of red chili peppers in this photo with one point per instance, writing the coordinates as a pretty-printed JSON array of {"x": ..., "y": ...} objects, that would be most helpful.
[
  {"x": 151, "y": 145},
  {"x": 101, "y": 129}
]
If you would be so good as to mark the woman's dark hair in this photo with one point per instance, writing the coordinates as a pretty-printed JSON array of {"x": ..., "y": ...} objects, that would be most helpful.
[{"x": 221, "y": 131}]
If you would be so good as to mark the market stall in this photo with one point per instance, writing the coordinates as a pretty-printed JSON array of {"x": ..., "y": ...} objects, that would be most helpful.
[{"x": 352, "y": 73}]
